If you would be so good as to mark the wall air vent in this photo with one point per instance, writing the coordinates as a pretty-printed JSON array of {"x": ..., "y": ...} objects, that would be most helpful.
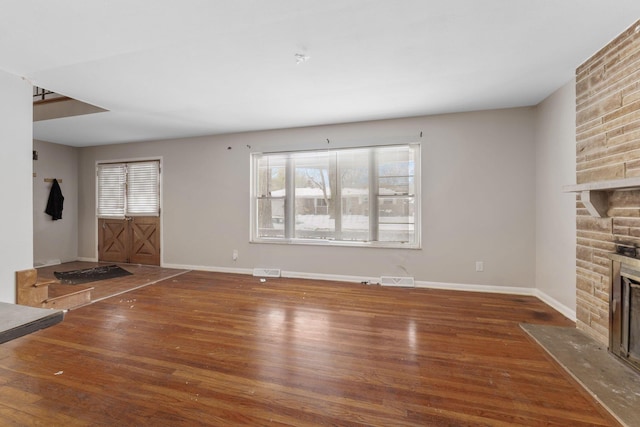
[
  {"x": 399, "y": 281},
  {"x": 266, "y": 272}
]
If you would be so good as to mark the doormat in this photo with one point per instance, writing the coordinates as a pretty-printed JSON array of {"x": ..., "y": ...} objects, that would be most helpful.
[{"x": 76, "y": 277}]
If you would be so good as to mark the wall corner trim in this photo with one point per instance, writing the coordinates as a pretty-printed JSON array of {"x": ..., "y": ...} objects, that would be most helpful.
[
  {"x": 511, "y": 290},
  {"x": 555, "y": 304},
  {"x": 212, "y": 269},
  {"x": 86, "y": 259}
]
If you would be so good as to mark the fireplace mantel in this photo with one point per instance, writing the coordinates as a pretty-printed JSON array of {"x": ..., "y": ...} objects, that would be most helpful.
[
  {"x": 595, "y": 195},
  {"x": 632, "y": 262}
]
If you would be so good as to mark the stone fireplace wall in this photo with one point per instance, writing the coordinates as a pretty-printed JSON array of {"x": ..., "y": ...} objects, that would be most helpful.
[{"x": 608, "y": 147}]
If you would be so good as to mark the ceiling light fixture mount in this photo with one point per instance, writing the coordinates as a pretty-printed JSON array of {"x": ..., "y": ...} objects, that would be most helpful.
[{"x": 301, "y": 58}]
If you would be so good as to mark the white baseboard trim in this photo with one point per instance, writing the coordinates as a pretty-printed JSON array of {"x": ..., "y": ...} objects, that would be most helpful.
[
  {"x": 47, "y": 263},
  {"x": 283, "y": 273},
  {"x": 329, "y": 277},
  {"x": 248, "y": 271},
  {"x": 511, "y": 290},
  {"x": 84, "y": 259},
  {"x": 555, "y": 304},
  {"x": 551, "y": 302}
]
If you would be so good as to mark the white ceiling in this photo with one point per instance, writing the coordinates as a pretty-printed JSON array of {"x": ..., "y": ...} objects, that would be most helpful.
[{"x": 169, "y": 68}]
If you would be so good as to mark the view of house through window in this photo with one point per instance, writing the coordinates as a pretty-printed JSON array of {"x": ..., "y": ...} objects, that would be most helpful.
[{"x": 360, "y": 196}]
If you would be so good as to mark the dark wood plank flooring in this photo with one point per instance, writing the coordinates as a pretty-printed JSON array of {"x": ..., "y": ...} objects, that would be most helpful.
[{"x": 221, "y": 349}]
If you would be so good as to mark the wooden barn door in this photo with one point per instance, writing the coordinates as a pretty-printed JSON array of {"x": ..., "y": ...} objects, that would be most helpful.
[
  {"x": 134, "y": 240},
  {"x": 145, "y": 240},
  {"x": 129, "y": 212},
  {"x": 113, "y": 239}
]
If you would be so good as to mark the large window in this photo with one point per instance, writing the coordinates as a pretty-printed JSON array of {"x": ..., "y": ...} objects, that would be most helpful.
[
  {"x": 129, "y": 189},
  {"x": 361, "y": 196}
]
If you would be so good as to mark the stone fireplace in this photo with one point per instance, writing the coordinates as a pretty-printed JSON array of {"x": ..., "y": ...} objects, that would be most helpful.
[
  {"x": 624, "y": 315},
  {"x": 607, "y": 173}
]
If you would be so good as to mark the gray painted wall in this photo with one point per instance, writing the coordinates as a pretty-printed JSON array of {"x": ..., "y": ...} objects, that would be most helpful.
[
  {"x": 478, "y": 186},
  {"x": 16, "y": 227},
  {"x": 555, "y": 210},
  {"x": 55, "y": 241}
]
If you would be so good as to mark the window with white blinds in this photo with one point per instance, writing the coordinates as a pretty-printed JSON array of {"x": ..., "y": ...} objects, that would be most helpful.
[
  {"x": 129, "y": 189},
  {"x": 111, "y": 190}
]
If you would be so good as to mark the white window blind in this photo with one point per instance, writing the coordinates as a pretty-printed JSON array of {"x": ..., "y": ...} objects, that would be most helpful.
[
  {"x": 111, "y": 190},
  {"x": 129, "y": 189},
  {"x": 143, "y": 196}
]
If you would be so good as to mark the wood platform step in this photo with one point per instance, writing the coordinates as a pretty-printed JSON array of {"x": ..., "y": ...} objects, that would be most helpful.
[
  {"x": 67, "y": 296},
  {"x": 49, "y": 293}
]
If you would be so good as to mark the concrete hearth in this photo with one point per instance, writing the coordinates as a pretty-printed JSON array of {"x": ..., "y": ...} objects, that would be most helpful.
[{"x": 612, "y": 383}]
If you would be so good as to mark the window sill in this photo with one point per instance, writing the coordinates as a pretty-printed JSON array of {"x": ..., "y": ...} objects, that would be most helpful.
[{"x": 335, "y": 243}]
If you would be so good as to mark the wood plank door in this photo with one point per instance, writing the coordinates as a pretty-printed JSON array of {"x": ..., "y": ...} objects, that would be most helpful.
[
  {"x": 145, "y": 240},
  {"x": 113, "y": 239},
  {"x": 133, "y": 240}
]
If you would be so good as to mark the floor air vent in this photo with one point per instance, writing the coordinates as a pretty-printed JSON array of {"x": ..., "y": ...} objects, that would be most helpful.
[
  {"x": 405, "y": 282},
  {"x": 266, "y": 272}
]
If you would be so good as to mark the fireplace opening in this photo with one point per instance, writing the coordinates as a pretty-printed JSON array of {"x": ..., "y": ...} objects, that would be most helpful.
[{"x": 625, "y": 316}]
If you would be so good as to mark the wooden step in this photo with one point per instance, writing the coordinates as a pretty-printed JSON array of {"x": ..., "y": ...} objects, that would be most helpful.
[
  {"x": 44, "y": 282},
  {"x": 65, "y": 297},
  {"x": 27, "y": 292},
  {"x": 26, "y": 278},
  {"x": 48, "y": 293},
  {"x": 32, "y": 296}
]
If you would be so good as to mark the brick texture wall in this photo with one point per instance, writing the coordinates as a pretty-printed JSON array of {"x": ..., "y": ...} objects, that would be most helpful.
[{"x": 607, "y": 147}]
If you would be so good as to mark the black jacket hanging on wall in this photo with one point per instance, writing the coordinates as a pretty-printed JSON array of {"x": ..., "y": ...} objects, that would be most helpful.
[{"x": 55, "y": 202}]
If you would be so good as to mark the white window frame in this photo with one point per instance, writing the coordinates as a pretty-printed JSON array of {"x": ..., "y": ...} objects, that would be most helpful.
[
  {"x": 372, "y": 196},
  {"x": 125, "y": 196}
]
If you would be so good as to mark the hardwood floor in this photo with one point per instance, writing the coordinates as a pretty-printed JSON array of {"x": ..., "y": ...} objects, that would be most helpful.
[
  {"x": 220, "y": 349},
  {"x": 143, "y": 275}
]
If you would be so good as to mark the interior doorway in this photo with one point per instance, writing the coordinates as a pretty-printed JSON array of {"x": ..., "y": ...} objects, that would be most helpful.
[{"x": 129, "y": 212}]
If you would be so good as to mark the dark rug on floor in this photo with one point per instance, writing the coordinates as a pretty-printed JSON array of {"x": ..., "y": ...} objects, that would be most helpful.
[{"x": 76, "y": 277}]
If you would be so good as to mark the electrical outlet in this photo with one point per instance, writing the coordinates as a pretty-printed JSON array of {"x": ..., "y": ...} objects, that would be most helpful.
[
  {"x": 235, "y": 255},
  {"x": 479, "y": 266}
]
